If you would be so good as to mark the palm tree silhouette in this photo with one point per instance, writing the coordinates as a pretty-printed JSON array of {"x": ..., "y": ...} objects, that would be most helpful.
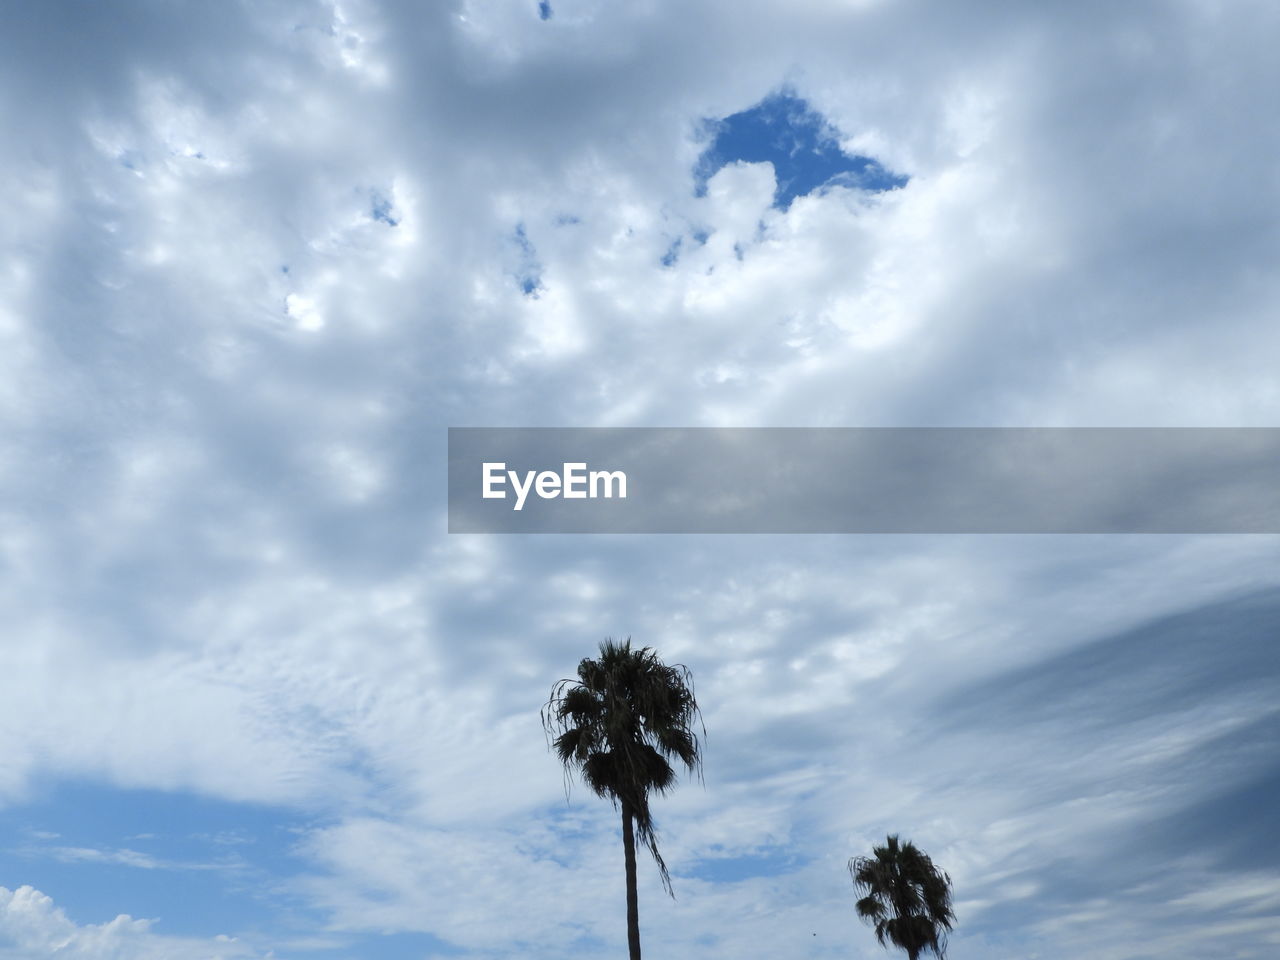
[
  {"x": 905, "y": 896},
  {"x": 619, "y": 725}
]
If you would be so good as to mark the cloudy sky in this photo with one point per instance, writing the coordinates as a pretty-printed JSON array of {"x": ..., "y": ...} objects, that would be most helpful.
[{"x": 256, "y": 258}]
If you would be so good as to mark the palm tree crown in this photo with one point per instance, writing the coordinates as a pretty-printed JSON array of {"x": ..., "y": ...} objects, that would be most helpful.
[
  {"x": 905, "y": 896},
  {"x": 620, "y": 724}
]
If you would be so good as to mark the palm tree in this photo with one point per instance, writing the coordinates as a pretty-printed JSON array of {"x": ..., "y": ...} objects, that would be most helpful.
[
  {"x": 619, "y": 725},
  {"x": 905, "y": 896}
]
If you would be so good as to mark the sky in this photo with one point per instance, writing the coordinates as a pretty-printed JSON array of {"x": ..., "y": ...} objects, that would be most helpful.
[{"x": 255, "y": 259}]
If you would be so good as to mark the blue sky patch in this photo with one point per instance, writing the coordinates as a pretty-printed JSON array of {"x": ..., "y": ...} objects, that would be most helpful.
[
  {"x": 201, "y": 866},
  {"x": 397, "y": 946},
  {"x": 802, "y": 145},
  {"x": 767, "y": 862},
  {"x": 382, "y": 210},
  {"x": 673, "y": 253},
  {"x": 528, "y": 271}
]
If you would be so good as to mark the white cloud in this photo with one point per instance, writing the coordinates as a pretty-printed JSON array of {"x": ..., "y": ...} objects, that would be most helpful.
[{"x": 32, "y": 926}]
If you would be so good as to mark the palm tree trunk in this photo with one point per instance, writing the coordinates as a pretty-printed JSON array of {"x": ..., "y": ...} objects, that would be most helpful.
[{"x": 633, "y": 900}]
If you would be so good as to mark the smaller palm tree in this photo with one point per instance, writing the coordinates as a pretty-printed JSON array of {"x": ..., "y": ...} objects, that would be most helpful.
[{"x": 905, "y": 897}]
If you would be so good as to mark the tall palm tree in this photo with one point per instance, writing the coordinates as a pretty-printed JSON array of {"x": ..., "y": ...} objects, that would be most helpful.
[
  {"x": 905, "y": 896},
  {"x": 620, "y": 725}
]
